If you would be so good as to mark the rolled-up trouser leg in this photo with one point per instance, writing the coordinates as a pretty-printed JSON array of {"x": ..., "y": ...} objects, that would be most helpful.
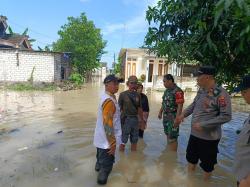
[
  {"x": 97, "y": 165},
  {"x": 106, "y": 162},
  {"x": 134, "y": 132},
  {"x": 130, "y": 129},
  {"x": 125, "y": 132}
]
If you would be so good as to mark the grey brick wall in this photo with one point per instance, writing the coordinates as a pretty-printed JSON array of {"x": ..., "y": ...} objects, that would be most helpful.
[{"x": 18, "y": 65}]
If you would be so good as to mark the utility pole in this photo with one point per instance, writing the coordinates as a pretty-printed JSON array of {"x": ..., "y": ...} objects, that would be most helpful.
[{"x": 113, "y": 64}]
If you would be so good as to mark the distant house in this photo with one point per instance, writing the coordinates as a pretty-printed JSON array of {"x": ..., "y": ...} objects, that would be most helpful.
[
  {"x": 12, "y": 40},
  {"x": 19, "y": 62},
  {"x": 19, "y": 65},
  {"x": 100, "y": 72},
  {"x": 140, "y": 62}
]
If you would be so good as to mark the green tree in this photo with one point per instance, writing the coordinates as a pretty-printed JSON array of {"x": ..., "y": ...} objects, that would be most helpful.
[
  {"x": 80, "y": 37},
  {"x": 215, "y": 32},
  {"x": 118, "y": 67}
]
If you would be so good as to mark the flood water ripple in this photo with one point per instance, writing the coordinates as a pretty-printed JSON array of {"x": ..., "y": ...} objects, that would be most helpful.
[{"x": 46, "y": 140}]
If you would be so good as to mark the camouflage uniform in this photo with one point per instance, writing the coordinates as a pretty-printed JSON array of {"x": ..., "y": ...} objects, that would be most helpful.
[{"x": 170, "y": 100}]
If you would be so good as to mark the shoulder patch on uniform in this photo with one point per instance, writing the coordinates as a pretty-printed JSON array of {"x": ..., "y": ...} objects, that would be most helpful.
[
  {"x": 179, "y": 97},
  {"x": 222, "y": 101},
  {"x": 216, "y": 91},
  {"x": 179, "y": 94}
]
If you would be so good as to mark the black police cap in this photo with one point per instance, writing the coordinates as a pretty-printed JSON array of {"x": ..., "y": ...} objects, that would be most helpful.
[
  {"x": 205, "y": 70},
  {"x": 111, "y": 78},
  {"x": 244, "y": 85}
]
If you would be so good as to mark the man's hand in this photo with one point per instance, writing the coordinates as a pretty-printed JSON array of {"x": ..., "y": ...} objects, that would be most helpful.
[
  {"x": 245, "y": 182},
  {"x": 178, "y": 120},
  {"x": 160, "y": 115},
  {"x": 144, "y": 124},
  {"x": 112, "y": 150},
  {"x": 197, "y": 126}
]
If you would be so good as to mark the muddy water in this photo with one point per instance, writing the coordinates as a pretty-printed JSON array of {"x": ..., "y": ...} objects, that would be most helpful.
[{"x": 46, "y": 140}]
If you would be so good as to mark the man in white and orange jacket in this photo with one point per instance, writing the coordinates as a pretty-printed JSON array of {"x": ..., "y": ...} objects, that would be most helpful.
[{"x": 108, "y": 129}]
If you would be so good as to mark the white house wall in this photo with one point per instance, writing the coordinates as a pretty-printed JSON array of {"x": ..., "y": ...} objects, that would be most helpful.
[
  {"x": 18, "y": 66},
  {"x": 176, "y": 71},
  {"x": 140, "y": 67}
]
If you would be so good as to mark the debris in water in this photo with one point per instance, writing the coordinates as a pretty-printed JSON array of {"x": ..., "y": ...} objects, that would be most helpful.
[
  {"x": 56, "y": 169},
  {"x": 22, "y": 148},
  {"x": 13, "y": 130},
  {"x": 45, "y": 145},
  {"x": 2, "y": 131}
]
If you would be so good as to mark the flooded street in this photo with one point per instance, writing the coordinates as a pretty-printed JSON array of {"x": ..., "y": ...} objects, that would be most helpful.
[{"x": 46, "y": 140}]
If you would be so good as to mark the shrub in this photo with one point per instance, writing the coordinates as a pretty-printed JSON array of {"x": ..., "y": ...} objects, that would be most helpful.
[{"x": 76, "y": 78}]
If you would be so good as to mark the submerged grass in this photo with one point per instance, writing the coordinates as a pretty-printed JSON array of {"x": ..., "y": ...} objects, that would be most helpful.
[{"x": 30, "y": 87}]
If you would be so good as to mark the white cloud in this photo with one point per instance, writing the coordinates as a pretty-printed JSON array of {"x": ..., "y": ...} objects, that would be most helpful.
[
  {"x": 132, "y": 2},
  {"x": 135, "y": 25},
  {"x": 111, "y": 28},
  {"x": 139, "y": 2}
]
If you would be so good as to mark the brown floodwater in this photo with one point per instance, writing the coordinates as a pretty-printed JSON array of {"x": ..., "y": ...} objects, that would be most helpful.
[{"x": 46, "y": 140}]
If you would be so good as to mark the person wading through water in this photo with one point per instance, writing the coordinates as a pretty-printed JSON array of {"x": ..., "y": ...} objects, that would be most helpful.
[
  {"x": 242, "y": 150},
  {"x": 130, "y": 104},
  {"x": 108, "y": 129},
  {"x": 211, "y": 108},
  {"x": 172, "y": 103},
  {"x": 145, "y": 109}
]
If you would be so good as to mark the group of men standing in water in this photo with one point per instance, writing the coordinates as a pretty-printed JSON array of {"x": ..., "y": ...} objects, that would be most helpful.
[{"x": 119, "y": 121}]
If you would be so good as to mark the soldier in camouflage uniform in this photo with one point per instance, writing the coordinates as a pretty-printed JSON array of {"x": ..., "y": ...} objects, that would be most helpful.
[{"x": 172, "y": 103}]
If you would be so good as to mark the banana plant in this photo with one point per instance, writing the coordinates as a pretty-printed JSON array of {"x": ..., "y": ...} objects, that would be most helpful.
[{"x": 25, "y": 32}]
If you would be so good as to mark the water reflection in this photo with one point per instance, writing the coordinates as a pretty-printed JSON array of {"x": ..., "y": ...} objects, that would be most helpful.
[{"x": 46, "y": 140}]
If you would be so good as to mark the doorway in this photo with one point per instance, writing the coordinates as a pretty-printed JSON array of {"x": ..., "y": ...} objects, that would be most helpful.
[{"x": 150, "y": 72}]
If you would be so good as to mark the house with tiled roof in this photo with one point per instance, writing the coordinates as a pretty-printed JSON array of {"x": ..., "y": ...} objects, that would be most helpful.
[
  {"x": 12, "y": 40},
  {"x": 19, "y": 62}
]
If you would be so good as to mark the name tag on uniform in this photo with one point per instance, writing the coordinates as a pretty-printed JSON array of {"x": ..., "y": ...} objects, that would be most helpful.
[{"x": 248, "y": 141}]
